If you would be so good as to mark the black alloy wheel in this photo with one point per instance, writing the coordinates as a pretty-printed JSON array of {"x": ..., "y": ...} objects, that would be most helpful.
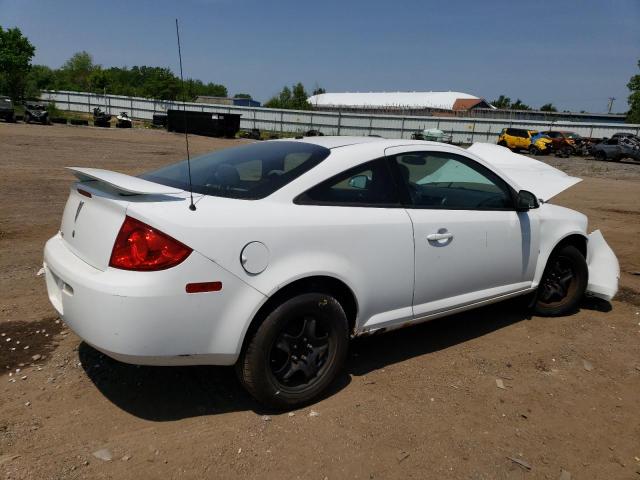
[
  {"x": 563, "y": 282},
  {"x": 296, "y": 351}
]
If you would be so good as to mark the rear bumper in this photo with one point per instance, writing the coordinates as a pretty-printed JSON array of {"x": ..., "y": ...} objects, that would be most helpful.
[
  {"x": 604, "y": 270},
  {"x": 147, "y": 317}
]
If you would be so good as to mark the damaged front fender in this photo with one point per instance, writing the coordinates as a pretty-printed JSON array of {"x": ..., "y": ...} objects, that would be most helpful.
[{"x": 604, "y": 270}]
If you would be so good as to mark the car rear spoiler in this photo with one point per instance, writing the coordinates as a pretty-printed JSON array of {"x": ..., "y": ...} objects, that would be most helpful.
[
  {"x": 122, "y": 182},
  {"x": 535, "y": 176}
]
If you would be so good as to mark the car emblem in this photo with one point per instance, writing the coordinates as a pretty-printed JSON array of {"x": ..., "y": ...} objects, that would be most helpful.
[{"x": 80, "y": 205}]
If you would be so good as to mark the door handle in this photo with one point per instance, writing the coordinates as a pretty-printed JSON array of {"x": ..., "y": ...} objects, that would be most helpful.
[{"x": 434, "y": 237}]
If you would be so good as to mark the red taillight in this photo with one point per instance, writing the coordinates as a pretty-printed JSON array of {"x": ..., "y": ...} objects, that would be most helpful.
[{"x": 141, "y": 247}]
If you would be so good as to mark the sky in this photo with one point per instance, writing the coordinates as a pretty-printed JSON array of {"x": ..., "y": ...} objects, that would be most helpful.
[{"x": 573, "y": 53}]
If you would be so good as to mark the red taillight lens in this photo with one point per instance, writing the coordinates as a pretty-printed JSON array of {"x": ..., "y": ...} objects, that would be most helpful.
[{"x": 141, "y": 247}]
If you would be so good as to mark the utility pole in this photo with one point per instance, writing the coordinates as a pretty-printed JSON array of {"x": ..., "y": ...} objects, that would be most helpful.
[{"x": 611, "y": 100}]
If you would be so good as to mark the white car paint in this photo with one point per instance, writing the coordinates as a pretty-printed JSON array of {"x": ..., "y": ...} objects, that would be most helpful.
[
  {"x": 527, "y": 173},
  {"x": 400, "y": 264}
]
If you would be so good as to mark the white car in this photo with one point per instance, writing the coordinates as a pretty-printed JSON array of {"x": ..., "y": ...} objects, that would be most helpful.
[{"x": 297, "y": 245}]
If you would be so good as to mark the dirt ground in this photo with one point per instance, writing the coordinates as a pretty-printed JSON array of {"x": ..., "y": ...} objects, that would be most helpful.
[{"x": 422, "y": 402}]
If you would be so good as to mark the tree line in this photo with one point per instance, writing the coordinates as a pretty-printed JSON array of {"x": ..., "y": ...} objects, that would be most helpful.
[
  {"x": 21, "y": 80},
  {"x": 79, "y": 73},
  {"x": 504, "y": 103}
]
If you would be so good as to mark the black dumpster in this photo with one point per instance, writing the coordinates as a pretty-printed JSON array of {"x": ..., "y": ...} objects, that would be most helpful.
[
  {"x": 159, "y": 120},
  {"x": 204, "y": 123}
]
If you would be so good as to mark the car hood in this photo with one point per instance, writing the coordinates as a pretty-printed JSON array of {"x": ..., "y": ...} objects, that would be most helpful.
[{"x": 537, "y": 177}]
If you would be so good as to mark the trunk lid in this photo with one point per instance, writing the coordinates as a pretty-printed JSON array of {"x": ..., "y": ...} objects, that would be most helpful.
[
  {"x": 96, "y": 209},
  {"x": 537, "y": 177}
]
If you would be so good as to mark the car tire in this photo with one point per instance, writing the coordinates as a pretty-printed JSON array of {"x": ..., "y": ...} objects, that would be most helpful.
[
  {"x": 563, "y": 282},
  {"x": 296, "y": 352},
  {"x": 502, "y": 143},
  {"x": 27, "y": 118},
  {"x": 533, "y": 150}
]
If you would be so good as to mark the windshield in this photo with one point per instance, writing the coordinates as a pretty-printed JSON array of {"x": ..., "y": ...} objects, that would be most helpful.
[
  {"x": 575, "y": 136},
  {"x": 248, "y": 172}
]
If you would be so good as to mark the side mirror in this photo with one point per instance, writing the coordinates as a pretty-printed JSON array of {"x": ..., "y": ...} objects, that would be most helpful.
[
  {"x": 359, "y": 181},
  {"x": 526, "y": 201}
]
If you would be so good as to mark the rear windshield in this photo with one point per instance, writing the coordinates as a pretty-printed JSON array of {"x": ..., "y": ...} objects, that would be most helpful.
[{"x": 248, "y": 172}]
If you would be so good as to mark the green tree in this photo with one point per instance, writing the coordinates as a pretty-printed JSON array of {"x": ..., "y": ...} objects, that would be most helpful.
[
  {"x": 99, "y": 80},
  {"x": 634, "y": 99},
  {"x": 16, "y": 53},
  {"x": 40, "y": 77},
  {"x": 502, "y": 102},
  {"x": 282, "y": 100},
  {"x": 318, "y": 91},
  {"x": 76, "y": 72},
  {"x": 294, "y": 98},
  {"x": 242, "y": 95},
  {"x": 519, "y": 105},
  {"x": 299, "y": 98},
  {"x": 548, "y": 107}
]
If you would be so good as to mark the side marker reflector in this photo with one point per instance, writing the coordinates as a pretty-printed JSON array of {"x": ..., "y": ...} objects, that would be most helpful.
[
  {"x": 203, "y": 287},
  {"x": 84, "y": 192}
]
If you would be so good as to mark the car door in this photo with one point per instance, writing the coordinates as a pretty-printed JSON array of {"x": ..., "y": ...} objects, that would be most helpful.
[
  {"x": 519, "y": 138},
  {"x": 365, "y": 234},
  {"x": 470, "y": 244},
  {"x": 612, "y": 148}
]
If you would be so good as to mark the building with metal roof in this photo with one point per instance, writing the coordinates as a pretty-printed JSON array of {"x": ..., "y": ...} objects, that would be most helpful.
[{"x": 442, "y": 101}]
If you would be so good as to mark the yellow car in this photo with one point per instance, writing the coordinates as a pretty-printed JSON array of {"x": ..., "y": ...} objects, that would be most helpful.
[{"x": 531, "y": 140}]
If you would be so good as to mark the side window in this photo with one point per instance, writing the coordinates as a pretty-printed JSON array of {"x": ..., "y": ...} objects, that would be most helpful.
[
  {"x": 369, "y": 184},
  {"x": 510, "y": 131},
  {"x": 449, "y": 181}
]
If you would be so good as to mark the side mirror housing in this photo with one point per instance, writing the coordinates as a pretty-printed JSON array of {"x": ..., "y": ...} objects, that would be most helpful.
[{"x": 526, "y": 201}]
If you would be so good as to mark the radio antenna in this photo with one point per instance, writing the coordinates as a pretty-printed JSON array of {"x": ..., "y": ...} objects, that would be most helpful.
[{"x": 192, "y": 206}]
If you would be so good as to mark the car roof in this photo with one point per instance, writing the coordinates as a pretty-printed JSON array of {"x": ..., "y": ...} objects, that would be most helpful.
[{"x": 332, "y": 142}]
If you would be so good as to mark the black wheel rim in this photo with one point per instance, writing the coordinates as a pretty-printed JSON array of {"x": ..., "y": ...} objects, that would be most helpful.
[
  {"x": 558, "y": 282},
  {"x": 299, "y": 353}
]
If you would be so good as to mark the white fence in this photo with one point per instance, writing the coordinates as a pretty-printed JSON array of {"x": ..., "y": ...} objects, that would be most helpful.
[{"x": 463, "y": 130}]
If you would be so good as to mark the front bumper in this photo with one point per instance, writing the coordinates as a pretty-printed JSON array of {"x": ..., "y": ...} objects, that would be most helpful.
[
  {"x": 147, "y": 317},
  {"x": 604, "y": 270}
]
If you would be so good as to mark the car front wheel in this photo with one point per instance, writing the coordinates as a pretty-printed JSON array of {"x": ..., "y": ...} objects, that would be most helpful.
[
  {"x": 296, "y": 352},
  {"x": 563, "y": 283},
  {"x": 600, "y": 155}
]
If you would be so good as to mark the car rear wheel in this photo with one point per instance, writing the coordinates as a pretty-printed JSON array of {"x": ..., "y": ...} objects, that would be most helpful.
[
  {"x": 296, "y": 352},
  {"x": 563, "y": 282},
  {"x": 533, "y": 150},
  {"x": 600, "y": 155}
]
